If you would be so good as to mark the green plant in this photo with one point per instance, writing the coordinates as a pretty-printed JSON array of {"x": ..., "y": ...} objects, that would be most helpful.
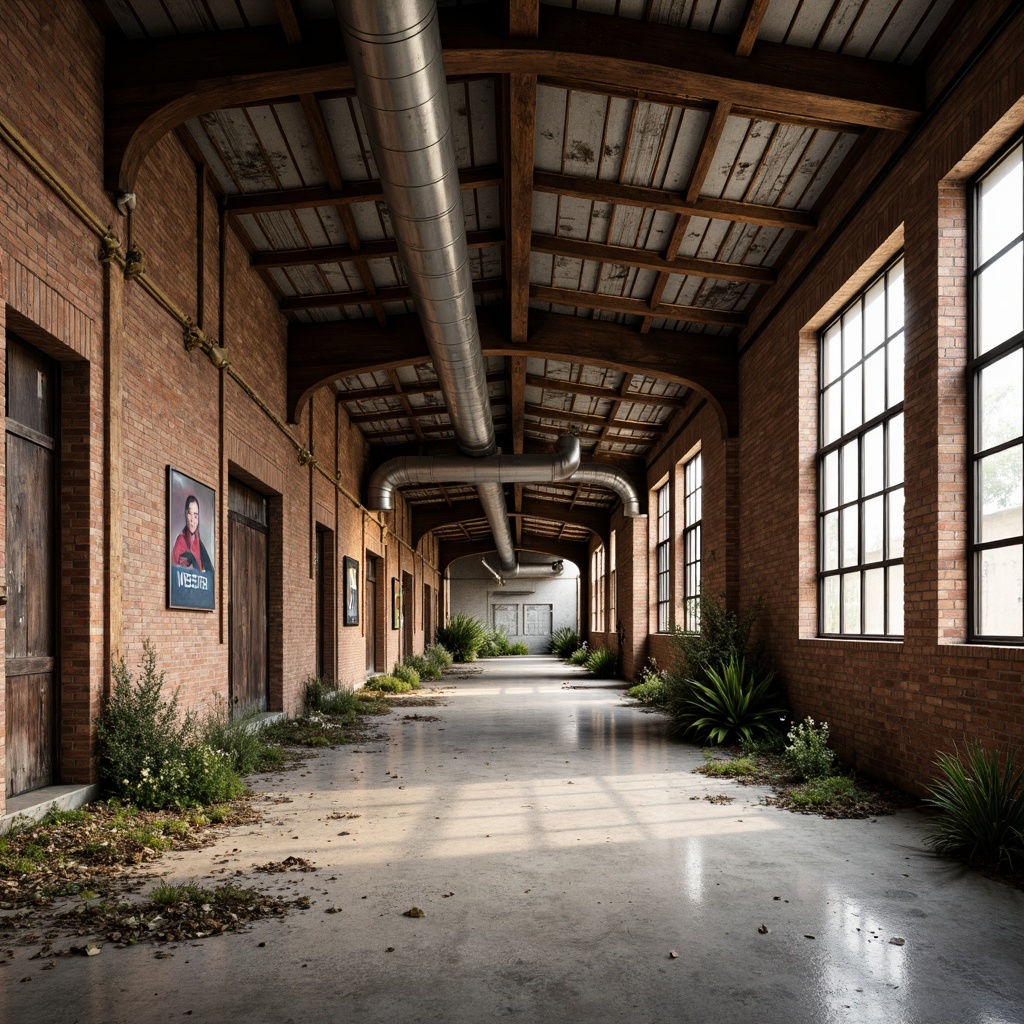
[
  {"x": 462, "y": 635},
  {"x": 408, "y": 674},
  {"x": 564, "y": 641},
  {"x": 495, "y": 645},
  {"x": 140, "y": 732},
  {"x": 424, "y": 666},
  {"x": 723, "y": 635},
  {"x": 827, "y": 789},
  {"x": 650, "y": 688},
  {"x": 439, "y": 655},
  {"x": 388, "y": 684},
  {"x": 807, "y": 752},
  {"x": 239, "y": 736},
  {"x": 519, "y": 648},
  {"x": 727, "y": 769},
  {"x": 317, "y": 690},
  {"x": 579, "y": 656},
  {"x": 981, "y": 807},
  {"x": 732, "y": 704},
  {"x": 342, "y": 704},
  {"x": 602, "y": 662}
]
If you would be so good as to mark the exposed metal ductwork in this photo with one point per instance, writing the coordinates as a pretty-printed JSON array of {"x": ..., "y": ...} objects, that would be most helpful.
[
  {"x": 496, "y": 469},
  {"x": 395, "y": 53},
  {"x": 597, "y": 474},
  {"x": 535, "y": 571},
  {"x": 394, "y": 49}
]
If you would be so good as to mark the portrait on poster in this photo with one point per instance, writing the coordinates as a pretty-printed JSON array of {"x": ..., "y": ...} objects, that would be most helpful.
[
  {"x": 191, "y": 542},
  {"x": 351, "y": 575}
]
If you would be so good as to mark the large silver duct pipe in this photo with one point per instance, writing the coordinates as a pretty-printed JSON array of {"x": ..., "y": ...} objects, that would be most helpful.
[
  {"x": 597, "y": 474},
  {"x": 394, "y": 49},
  {"x": 457, "y": 469}
]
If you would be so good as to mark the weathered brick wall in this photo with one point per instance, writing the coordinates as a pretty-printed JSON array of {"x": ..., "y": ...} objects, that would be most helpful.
[
  {"x": 891, "y": 706},
  {"x": 177, "y": 409}
]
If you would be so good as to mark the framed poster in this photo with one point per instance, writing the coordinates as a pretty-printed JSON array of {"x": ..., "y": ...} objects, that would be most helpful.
[
  {"x": 351, "y": 575},
  {"x": 396, "y": 603},
  {"x": 191, "y": 537}
]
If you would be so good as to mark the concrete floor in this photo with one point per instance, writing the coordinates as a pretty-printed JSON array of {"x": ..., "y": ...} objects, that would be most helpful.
[{"x": 561, "y": 849}]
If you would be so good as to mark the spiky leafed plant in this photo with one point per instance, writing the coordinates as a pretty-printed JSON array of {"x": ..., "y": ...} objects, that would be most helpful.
[
  {"x": 564, "y": 641},
  {"x": 462, "y": 636},
  {"x": 729, "y": 704},
  {"x": 602, "y": 662},
  {"x": 981, "y": 805}
]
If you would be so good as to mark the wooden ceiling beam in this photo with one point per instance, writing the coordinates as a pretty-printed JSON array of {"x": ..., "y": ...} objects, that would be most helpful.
[
  {"x": 320, "y": 353},
  {"x": 382, "y": 250},
  {"x": 417, "y": 388},
  {"x": 599, "y": 191},
  {"x": 636, "y": 307},
  {"x": 400, "y": 293},
  {"x": 354, "y": 192},
  {"x": 153, "y": 85},
  {"x": 646, "y": 259},
  {"x": 605, "y": 422},
  {"x": 752, "y": 19},
  {"x": 590, "y": 391}
]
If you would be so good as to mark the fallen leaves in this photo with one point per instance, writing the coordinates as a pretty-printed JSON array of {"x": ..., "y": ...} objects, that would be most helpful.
[{"x": 413, "y": 912}]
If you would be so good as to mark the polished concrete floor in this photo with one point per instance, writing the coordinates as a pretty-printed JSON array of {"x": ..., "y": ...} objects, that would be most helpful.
[{"x": 561, "y": 850}]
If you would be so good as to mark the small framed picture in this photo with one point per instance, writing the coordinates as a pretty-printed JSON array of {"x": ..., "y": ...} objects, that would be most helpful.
[
  {"x": 396, "y": 603},
  {"x": 351, "y": 573},
  {"x": 191, "y": 541}
]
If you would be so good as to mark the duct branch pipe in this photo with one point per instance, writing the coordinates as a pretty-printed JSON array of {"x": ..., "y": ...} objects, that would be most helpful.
[
  {"x": 394, "y": 50},
  {"x": 526, "y": 571},
  {"x": 597, "y": 474},
  {"x": 457, "y": 469}
]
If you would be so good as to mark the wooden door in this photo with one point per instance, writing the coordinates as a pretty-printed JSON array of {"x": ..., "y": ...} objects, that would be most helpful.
[
  {"x": 325, "y": 614},
  {"x": 31, "y": 641},
  {"x": 370, "y": 613},
  {"x": 248, "y": 533},
  {"x": 407, "y": 615}
]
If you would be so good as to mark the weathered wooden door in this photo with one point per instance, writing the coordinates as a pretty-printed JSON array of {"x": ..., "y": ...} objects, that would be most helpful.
[
  {"x": 248, "y": 531},
  {"x": 370, "y": 613},
  {"x": 407, "y": 614},
  {"x": 31, "y": 643},
  {"x": 325, "y": 614}
]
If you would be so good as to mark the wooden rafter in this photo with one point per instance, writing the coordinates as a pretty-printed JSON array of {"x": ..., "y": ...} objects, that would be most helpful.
[
  {"x": 153, "y": 85},
  {"x": 606, "y": 422},
  {"x": 385, "y": 249},
  {"x": 322, "y": 352},
  {"x": 645, "y": 259},
  {"x": 417, "y": 388},
  {"x": 636, "y": 307},
  {"x": 354, "y": 192},
  {"x": 590, "y": 391},
  {"x": 399, "y": 293},
  {"x": 672, "y": 202},
  {"x": 752, "y": 19}
]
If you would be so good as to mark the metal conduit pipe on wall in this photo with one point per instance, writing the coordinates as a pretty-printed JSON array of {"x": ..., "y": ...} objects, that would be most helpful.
[
  {"x": 456, "y": 469},
  {"x": 394, "y": 50}
]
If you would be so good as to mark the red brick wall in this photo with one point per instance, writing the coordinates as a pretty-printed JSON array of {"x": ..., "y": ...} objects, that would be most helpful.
[
  {"x": 177, "y": 408},
  {"x": 890, "y": 706}
]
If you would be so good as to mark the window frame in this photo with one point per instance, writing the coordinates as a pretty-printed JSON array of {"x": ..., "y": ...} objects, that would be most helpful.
[
  {"x": 663, "y": 558},
  {"x": 693, "y": 498},
  {"x": 976, "y": 365},
  {"x": 838, "y": 447}
]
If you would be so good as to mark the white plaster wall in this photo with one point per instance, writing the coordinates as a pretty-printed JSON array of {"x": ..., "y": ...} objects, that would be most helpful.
[{"x": 475, "y": 591}]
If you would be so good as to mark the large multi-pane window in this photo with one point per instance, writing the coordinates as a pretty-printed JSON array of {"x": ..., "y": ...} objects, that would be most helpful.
[
  {"x": 997, "y": 375},
  {"x": 664, "y": 559},
  {"x": 597, "y": 577},
  {"x": 860, "y": 464},
  {"x": 692, "y": 488},
  {"x": 613, "y": 622}
]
